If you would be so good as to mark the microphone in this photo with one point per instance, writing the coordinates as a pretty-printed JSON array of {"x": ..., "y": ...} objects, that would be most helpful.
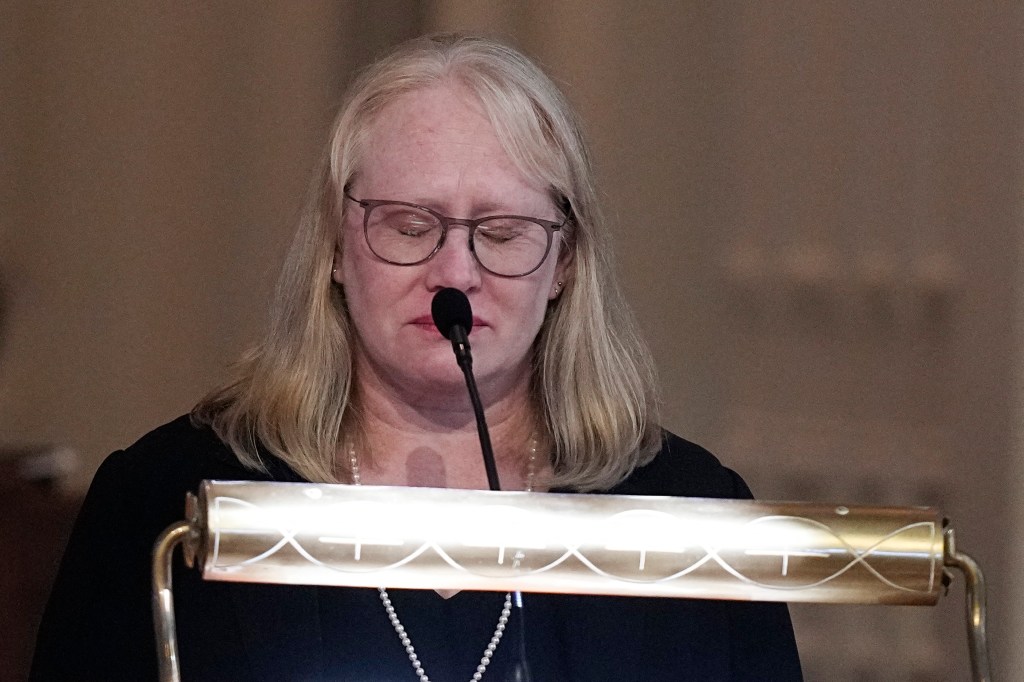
[{"x": 453, "y": 317}]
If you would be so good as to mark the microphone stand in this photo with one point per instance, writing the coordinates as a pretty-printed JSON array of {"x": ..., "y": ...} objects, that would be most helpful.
[
  {"x": 463, "y": 356},
  {"x": 460, "y": 344}
]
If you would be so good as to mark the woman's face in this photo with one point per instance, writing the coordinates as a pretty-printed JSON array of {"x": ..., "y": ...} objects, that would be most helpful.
[{"x": 436, "y": 148}]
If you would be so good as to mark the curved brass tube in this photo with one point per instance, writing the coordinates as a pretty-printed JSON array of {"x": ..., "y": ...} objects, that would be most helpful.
[
  {"x": 363, "y": 536},
  {"x": 163, "y": 600},
  {"x": 669, "y": 547},
  {"x": 976, "y": 610}
]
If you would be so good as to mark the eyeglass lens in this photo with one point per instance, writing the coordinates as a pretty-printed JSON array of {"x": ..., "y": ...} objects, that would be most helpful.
[{"x": 406, "y": 235}]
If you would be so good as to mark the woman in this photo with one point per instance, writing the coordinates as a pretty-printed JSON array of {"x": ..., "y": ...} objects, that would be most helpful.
[{"x": 454, "y": 163}]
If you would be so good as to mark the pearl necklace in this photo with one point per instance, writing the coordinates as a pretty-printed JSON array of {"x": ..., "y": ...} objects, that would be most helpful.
[{"x": 506, "y": 608}]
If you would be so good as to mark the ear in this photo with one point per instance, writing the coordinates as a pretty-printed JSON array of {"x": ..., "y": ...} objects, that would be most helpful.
[{"x": 563, "y": 274}]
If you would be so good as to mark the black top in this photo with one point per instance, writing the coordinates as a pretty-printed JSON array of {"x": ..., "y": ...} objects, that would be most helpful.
[{"x": 98, "y": 623}]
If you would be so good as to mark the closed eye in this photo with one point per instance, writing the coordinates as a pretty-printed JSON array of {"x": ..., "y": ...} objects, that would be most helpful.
[{"x": 504, "y": 230}]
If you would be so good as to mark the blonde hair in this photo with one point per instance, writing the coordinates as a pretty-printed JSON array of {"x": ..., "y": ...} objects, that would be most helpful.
[{"x": 292, "y": 395}]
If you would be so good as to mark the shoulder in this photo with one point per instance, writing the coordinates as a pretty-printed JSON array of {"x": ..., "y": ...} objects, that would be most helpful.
[
  {"x": 684, "y": 469},
  {"x": 182, "y": 453},
  {"x": 99, "y": 605},
  {"x": 148, "y": 480},
  {"x": 176, "y": 452},
  {"x": 153, "y": 474}
]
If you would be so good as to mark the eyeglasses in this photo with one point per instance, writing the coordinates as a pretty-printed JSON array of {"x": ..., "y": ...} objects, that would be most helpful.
[{"x": 401, "y": 233}]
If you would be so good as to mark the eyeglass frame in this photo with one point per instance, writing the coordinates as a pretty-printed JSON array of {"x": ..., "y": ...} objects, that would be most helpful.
[{"x": 550, "y": 227}]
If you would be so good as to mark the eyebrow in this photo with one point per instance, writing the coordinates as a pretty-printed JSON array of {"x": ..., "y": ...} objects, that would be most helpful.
[{"x": 480, "y": 210}]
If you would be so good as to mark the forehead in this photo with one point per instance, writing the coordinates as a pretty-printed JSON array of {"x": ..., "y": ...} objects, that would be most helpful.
[
  {"x": 443, "y": 118},
  {"x": 437, "y": 139},
  {"x": 444, "y": 107}
]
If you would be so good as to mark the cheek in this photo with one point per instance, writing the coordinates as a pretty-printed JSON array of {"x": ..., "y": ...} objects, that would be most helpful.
[
  {"x": 532, "y": 307},
  {"x": 346, "y": 256},
  {"x": 356, "y": 277},
  {"x": 361, "y": 275}
]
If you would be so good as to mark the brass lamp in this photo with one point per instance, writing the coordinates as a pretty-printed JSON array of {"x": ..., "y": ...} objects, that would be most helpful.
[{"x": 366, "y": 536}]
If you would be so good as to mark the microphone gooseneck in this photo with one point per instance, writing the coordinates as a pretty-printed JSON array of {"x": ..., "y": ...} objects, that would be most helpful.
[{"x": 453, "y": 317}]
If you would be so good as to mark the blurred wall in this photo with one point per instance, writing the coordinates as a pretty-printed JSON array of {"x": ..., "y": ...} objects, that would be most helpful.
[
  {"x": 157, "y": 155},
  {"x": 819, "y": 207},
  {"x": 825, "y": 197}
]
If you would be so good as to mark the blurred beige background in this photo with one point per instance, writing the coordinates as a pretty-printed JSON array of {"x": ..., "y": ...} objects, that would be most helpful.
[{"x": 818, "y": 208}]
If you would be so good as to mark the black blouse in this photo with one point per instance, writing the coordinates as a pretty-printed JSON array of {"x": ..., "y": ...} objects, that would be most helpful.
[{"x": 98, "y": 623}]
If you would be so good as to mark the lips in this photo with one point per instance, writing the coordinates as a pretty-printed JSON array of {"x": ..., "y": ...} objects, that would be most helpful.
[{"x": 428, "y": 321}]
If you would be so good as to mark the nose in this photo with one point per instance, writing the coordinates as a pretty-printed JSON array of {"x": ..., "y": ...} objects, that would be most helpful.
[{"x": 454, "y": 265}]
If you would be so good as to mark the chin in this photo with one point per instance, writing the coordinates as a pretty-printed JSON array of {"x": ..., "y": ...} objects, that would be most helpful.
[{"x": 438, "y": 377}]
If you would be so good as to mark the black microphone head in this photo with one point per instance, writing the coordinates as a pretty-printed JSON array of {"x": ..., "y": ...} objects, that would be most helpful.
[{"x": 450, "y": 308}]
